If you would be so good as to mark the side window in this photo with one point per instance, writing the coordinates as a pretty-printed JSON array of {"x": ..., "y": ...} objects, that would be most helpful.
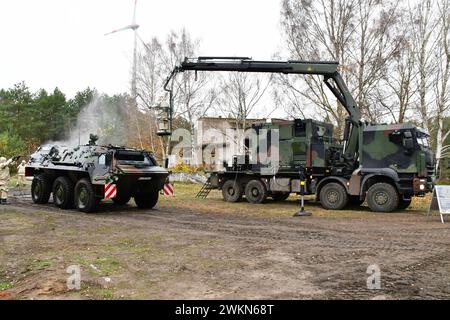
[{"x": 102, "y": 160}]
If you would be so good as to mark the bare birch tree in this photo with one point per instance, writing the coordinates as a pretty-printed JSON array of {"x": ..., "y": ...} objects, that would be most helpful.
[{"x": 442, "y": 81}]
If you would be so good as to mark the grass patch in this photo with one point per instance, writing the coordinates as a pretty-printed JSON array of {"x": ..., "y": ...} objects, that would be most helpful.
[
  {"x": 40, "y": 265},
  {"x": 107, "y": 265},
  {"x": 128, "y": 245},
  {"x": 185, "y": 200},
  {"x": 5, "y": 286},
  {"x": 96, "y": 292}
]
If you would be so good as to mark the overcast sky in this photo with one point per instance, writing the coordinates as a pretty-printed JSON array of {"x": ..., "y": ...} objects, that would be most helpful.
[{"x": 49, "y": 43}]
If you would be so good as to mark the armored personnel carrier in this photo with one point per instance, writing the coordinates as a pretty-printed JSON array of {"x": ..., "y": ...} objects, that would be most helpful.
[{"x": 82, "y": 176}]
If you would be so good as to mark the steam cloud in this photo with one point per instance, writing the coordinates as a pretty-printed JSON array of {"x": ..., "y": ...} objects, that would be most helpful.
[{"x": 102, "y": 117}]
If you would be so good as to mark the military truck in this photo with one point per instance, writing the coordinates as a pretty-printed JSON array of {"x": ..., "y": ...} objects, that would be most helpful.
[
  {"x": 383, "y": 164},
  {"x": 82, "y": 176},
  {"x": 309, "y": 145}
]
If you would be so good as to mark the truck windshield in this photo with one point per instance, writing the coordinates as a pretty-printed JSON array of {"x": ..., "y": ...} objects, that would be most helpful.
[
  {"x": 422, "y": 140},
  {"x": 133, "y": 157}
]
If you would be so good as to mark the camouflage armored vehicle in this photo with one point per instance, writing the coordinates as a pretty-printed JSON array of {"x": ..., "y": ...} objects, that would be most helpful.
[
  {"x": 82, "y": 176},
  {"x": 383, "y": 164}
]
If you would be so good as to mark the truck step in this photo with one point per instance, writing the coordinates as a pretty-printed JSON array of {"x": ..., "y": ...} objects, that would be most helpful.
[{"x": 205, "y": 190}]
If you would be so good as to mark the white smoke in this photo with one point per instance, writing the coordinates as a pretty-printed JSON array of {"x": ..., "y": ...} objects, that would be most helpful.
[{"x": 100, "y": 117}]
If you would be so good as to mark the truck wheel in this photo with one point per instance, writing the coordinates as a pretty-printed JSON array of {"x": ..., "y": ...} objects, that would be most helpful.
[
  {"x": 232, "y": 191},
  {"x": 63, "y": 193},
  {"x": 280, "y": 196},
  {"x": 41, "y": 188},
  {"x": 146, "y": 200},
  {"x": 403, "y": 204},
  {"x": 85, "y": 199},
  {"x": 121, "y": 200},
  {"x": 255, "y": 191},
  {"x": 333, "y": 196},
  {"x": 382, "y": 197}
]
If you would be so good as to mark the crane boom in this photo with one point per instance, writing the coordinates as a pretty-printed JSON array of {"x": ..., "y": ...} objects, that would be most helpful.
[{"x": 327, "y": 69}]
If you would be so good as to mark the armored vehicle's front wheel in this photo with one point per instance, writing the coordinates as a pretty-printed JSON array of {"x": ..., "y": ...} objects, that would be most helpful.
[
  {"x": 121, "y": 200},
  {"x": 41, "y": 188},
  {"x": 403, "y": 204},
  {"x": 382, "y": 197},
  {"x": 85, "y": 199},
  {"x": 146, "y": 200},
  {"x": 280, "y": 196},
  {"x": 63, "y": 193},
  {"x": 232, "y": 191},
  {"x": 333, "y": 196},
  {"x": 255, "y": 191}
]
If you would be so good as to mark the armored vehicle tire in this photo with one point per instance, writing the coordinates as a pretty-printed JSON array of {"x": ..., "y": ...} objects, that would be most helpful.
[
  {"x": 41, "y": 188},
  {"x": 382, "y": 197},
  {"x": 280, "y": 196},
  {"x": 232, "y": 191},
  {"x": 121, "y": 200},
  {"x": 85, "y": 199},
  {"x": 333, "y": 196},
  {"x": 255, "y": 191},
  {"x": 403, "y": 204},
  {"x": 63, "y": 193},
  {"x": 146, "y": 200}
]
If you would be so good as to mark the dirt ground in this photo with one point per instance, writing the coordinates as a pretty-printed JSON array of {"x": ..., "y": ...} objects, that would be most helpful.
[{"x": 209, "y": 249}]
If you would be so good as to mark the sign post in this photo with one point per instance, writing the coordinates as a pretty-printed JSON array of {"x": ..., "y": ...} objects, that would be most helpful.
[{"x": 441, "y": 201}]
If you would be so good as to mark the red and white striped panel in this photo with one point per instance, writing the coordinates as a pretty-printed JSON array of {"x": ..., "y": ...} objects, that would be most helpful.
[
  {"x": 168, "y": 189},
  {"x": 110, "y": 190}
]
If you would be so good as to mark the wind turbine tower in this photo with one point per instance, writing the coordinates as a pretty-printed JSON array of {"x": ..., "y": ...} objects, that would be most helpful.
[{"x": 133, "y": 26}]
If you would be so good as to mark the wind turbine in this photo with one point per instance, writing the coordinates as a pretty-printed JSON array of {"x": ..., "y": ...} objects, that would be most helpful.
[{"x": 133, "y": 26}]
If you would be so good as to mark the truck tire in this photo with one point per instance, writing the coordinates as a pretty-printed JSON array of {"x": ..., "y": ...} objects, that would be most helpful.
[
  {"x": 382, "y": 197},
  {"x": 280, "y": 196},
  {"x": 121, "y": 200},
  {"x": 146, "y": 200},
  {"x": 403, "y": 204},
  {"x": 333, "y": 196},
  {"x": 85, "y": 199},
  {"x": 255, "y": 191},
  {"x": 232, "y": 191},
  {"x": 63, "y": 193},
  {"x": 41, "y": 188}
]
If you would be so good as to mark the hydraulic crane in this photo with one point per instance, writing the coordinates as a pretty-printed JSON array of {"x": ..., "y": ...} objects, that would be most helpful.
[{"x": 328, "y": 69}]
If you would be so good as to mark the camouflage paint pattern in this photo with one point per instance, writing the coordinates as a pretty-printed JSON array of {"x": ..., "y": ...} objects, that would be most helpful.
[
  {"x": 383, "y": 147},
  {"x": 86, "y": 159}
]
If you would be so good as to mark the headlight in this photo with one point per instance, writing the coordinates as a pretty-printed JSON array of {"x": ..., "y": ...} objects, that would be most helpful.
[{"x": 422, "y": 187}]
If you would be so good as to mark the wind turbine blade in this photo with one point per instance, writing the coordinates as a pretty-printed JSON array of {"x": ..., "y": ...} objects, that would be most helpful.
[
  {"x": 134, "y": 13},
  {"x": 121, "y": 29}
]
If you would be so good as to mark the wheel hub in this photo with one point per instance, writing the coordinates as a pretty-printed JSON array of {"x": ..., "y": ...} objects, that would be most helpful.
[
  {"x": 59, "y": 193},
  {"x": 231, "y": 191},
  {"x": 381, "y": 198},
  {"x": 255, "y": 192},
  {"x": 332, "y": 196},
  {"x": 83, "y": 197}
]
